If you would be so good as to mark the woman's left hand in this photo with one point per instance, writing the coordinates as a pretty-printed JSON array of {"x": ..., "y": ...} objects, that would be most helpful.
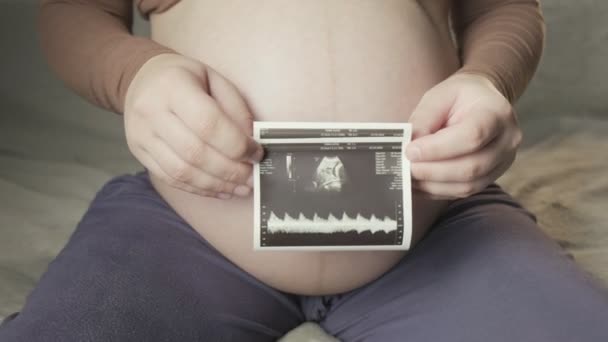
[{"x": 465, "y": 136}]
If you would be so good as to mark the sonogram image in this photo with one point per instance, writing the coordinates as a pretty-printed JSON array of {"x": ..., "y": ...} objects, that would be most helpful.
[{"x": 330, "y": 174}]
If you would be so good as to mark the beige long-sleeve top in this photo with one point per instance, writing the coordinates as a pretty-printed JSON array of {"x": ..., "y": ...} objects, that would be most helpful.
[{"x": 89, "y": 44}]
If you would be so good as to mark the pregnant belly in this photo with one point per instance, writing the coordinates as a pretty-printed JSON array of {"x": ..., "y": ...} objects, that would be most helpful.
[{"x": 309, "y": 61}]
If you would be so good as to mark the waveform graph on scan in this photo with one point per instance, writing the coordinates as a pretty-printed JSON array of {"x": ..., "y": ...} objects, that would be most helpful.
[{"x": 332, "y": 195}]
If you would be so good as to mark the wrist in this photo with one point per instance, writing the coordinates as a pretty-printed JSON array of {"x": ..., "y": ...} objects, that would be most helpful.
[
  {"x": 480, "y": 78},
  {"x": 154, "y": 66},
  {"x": 144, "y": 68}
]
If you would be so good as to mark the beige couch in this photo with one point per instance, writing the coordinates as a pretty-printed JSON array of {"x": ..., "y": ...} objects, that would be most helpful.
[{"x": 56, "y": 150}]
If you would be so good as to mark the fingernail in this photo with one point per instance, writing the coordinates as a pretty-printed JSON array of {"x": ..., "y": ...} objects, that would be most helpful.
[
  {"x": 224, "y": 196},
  {"x": 242, "y": 190},
  {"x": 250, "y": 181},
  {"x": 258, "y": 155},
  {"x": 413, "y": 153}
]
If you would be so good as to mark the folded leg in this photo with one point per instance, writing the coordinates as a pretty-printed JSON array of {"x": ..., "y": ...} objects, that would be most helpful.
[
  {"x": 485, "y": 273},
  {"x": 134, "y": 271}
]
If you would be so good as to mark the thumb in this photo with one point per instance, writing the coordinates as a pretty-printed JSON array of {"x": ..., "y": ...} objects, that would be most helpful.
[
  {"x": 230, "y": 101},
  {"x": 429, "y": 116},
  {"x": 432, "y": 111}
]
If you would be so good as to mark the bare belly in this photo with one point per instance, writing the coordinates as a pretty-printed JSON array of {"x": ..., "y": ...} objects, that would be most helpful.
[{"x": 312, "y": 60}]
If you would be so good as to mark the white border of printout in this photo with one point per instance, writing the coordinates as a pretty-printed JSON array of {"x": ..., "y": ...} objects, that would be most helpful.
[{"x": 405, "y": 175}]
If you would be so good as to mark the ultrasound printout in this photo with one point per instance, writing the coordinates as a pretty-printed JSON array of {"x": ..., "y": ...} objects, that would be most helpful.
[{"x": 332, "y": 186}]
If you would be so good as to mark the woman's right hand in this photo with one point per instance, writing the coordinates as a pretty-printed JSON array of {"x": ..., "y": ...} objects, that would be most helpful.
[{"x": 190, "y": 127}]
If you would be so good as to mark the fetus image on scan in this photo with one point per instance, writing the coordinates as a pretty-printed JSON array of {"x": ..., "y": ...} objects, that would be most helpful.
[{"x": 329, "y": 175}]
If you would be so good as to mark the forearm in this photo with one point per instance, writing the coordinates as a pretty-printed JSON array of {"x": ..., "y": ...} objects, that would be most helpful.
[
  {"x": 88, "y": 43},
  {"x": 500, "y": 39}
]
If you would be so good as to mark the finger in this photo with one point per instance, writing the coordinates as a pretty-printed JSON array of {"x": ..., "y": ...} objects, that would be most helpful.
[
  {"x": 202, "y": 115},
  {"x": 180, "y": 171},
  {"x": 195, "y": 152},
  {"x": 230, "y": 101},
  {"x": 470, "y": 135},
  {"x": 460, "y": 169},
  {"x": 431, "y": 113},
  {"x": 152, "y": 166},
  {"x": 418, "y": 192},
  {"x": 453, "y": 190}
]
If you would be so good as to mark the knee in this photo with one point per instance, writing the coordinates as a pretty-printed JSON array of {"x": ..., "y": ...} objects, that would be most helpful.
[
  {"x": 498, "y": 251},
  {"x": 112, "y": 307},
  {"x": 102, "y": 291}
]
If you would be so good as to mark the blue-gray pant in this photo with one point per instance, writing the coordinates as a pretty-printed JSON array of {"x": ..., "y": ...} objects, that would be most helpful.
[{"x": 135, "y": 271}]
